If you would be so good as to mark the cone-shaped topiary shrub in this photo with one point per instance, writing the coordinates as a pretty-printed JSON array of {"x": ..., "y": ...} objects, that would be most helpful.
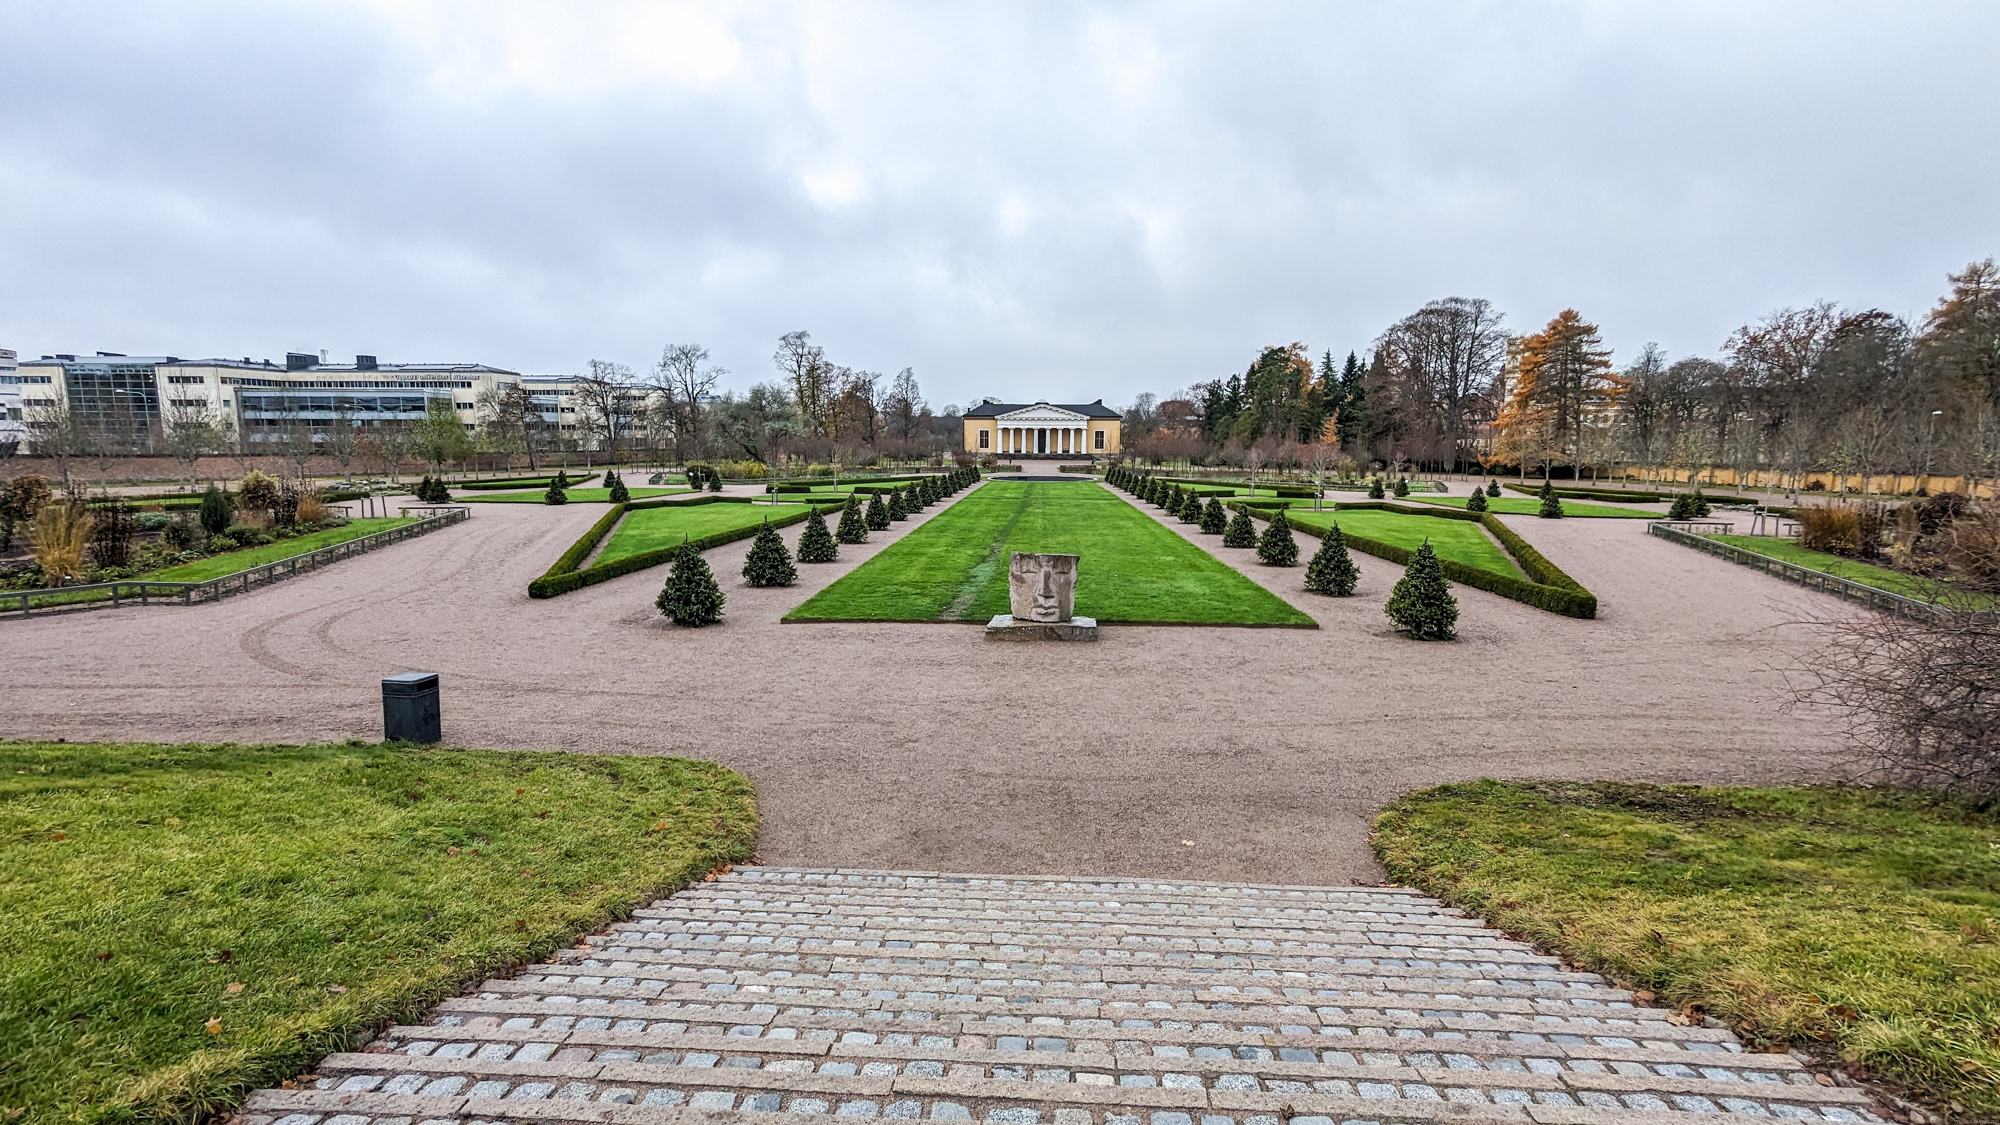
[
  {"x": 1402, "y": 486},
  {"x": 1700, "y": 505},
  {"x": 1375, "y": 491},
  {"x": 896, "y": 509},
  {"x": 561, "y": 481},
  {"x": 1277, "y": 547},
  {"x": 423, "y": 489},
  {"x": 1171, "y": 503},
  {"x": 619, "y": 493},
  {"x": 1477, "y": 501},
  {"x": 1682, "y": 509},
  {"x": 853, "y": 525},
  {"x": 878, "y": 513},
  {"x": 1241, "y": 532},
  {"x": 1421, "y": 603},
  {"x": 714, "y": 481},
  {"x": 691, "y": 596},
  {"x": 216, "y": 510},
  {"x": 556, "y": 493},
  {"x": 1552, "y": 507},
  {"x": 1492, "y": 488},
  {"x": 913, "y": 500},
  {"x": 1331, "y": 571},
  {"x": 769, "y": 563},
  {"x": 816, "y": 544},
  {"x": 1213, "y": 518},
  {"x": 1190, "y": 508}
]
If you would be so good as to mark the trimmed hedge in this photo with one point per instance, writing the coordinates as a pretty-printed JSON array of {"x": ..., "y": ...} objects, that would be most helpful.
[
  {"x": 1549, "y": 588},
  {"x": 828, "y": 482},
  {"x": 1630, "y": 496},
  {"x": 512, "y": 483},
  {"x": 564, "y": 576}
]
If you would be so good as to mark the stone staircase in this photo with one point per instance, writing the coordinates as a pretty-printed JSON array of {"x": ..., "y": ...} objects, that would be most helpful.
[{"x": 1046, "y": 1001}]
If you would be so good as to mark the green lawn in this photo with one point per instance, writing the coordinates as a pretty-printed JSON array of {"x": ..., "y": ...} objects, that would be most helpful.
[
  {"x": 215, "y": 566},
  {"x": 650, "y": 529},
  {"x": 1860, "y": 918},
  {"x": 1788, "y": 550},
  {"x": 576, "y": 495},
  {"x": 182, "y": 924},
  {"x": 1459, "y": 540},
  {"x": 1524, "y": 506},
  {"x": 954, "y": 567}
]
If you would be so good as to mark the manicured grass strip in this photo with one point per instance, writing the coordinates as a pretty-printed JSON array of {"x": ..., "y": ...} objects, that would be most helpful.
[
  {"x": 1544, "y": 586},
  {"x": 576, "y": 495},
  {"x": 296, "y": 895},
  {"x": 1133, "y": 570},
  {"x": 542, "y": 482},
  {"x": 1788, "y": 550},
  {"x": 215, "y": 566},
  {"x": 564, "y": 576},
  {"x": 1859, "y": 918},
  {"x": 654, "y": 529},
  {"x": 1460, "y": 541},
  {"x": 1509, "y": 506}
]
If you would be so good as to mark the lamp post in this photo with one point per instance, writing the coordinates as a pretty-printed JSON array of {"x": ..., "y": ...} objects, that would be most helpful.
[{"x": 1930, "y": 440}]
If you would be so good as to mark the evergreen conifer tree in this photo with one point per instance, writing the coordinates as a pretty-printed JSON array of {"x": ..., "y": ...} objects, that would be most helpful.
[
  {"x": 619, "y": 493},
  {"x": 423, "y": 489},
  {"x": 1171, "y": 504},
  {"x": 897, "y": 512},
  {"x": 1682, "y": 509},
  {"x": 1213, "y": 518},
  {"x": 561, "y": 481},
  {"x": 1402, "y": 486},
  {"x": 1492, "y": 488},
  {"x": 691, "y": 596},
  {"x": 714, "y": 481},
  {"x": 1277, "y": 547},
  {"x": 816, "y": 543},
  {"x": 1552, "y": 507},
  {"x": 1241, "y": 532},
  {"x": 216, "y": 510},
  {"x": 1477, "y": 501},
  {"x": 1331, "y": 571},
  {"x": 1375, "y": 491},
  {"x": 1421, "y": 603},
  {"x": 556, "y": 493},
  {"x": 913, "y": 499},
  {"x": 878, "y": 513},
  {"x": 853, "y": 526},
  {"x": 769, "y": 563},
  {"x": 1190, "y": 508},
  {"x": 1700, "y": 507}
]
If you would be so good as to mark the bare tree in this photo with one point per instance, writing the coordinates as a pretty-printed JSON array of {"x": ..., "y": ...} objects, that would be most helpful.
[
  {"x": 811, "y": 379},
  {"x": 55, "y": 432},
  {"x": 903, "y": 406},
  {"x": 194, "y": 430},
  {"x": 605, "y": 394},
  {"x": 1444, "y": 358},
  {"x": 683, "y": 378}
]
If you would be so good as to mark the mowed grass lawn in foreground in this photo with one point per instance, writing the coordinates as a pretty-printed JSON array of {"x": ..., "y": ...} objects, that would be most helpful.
[
  {"x": 1867, "y": 919},
  {"x": 182, "y": 924},
  {"x": 575, "y": 495},
  {"x": 1458, "y": 540},
  {"x": 954, "y": 566},
  {"x": 650, "y": 529}
]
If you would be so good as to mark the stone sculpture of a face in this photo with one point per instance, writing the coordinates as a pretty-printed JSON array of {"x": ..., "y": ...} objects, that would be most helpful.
[{"x": 1041, "y": 588}]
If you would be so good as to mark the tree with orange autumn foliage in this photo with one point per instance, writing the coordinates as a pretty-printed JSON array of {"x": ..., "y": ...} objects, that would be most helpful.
[{"x": 1560, "y": 384}]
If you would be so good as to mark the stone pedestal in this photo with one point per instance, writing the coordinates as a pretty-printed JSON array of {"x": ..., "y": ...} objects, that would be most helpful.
[{"x": 1007, "y": 627}]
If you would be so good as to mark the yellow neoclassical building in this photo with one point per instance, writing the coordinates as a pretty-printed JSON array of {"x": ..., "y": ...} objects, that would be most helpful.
[{"x": 1042, "y": 429}]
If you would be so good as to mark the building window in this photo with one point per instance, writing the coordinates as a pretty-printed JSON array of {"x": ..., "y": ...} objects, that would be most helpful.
[
  {"x": 187, "y": 378},
  {"x": 1098, "y": 441},
  {"x": 985, "y": 438}
]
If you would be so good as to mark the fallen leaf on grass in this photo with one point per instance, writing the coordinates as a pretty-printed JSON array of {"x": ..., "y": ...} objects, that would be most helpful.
[
  {"x": 59, "y": 836},
  {"x": 451, "y": 851},
  {"x": 233, "y": 987},
  {"x": 214, "y": 1027},
  {"x": 336, "y": 988},
  {"x": 1643, "y": 996}
]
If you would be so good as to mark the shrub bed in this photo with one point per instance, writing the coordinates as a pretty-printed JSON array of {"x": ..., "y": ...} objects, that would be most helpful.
[
  {"x": 512, "y": 483},
  {"x": 1547, "y": 588}
]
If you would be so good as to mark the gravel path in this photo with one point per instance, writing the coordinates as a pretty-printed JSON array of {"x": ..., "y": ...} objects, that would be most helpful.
[{"x": 924, "y": 747}]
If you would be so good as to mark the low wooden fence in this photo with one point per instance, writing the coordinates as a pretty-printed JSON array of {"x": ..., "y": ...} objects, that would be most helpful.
[
  {"x": 145, "y": 591},
  {"x": 1684, "y": 533}
]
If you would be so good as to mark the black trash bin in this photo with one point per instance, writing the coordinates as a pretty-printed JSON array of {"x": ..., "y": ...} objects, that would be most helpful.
[{"x": 410, "y": 707}]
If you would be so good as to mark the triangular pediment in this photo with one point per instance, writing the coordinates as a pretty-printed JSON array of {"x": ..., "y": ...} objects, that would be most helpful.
[{"x": 1042, "y": 413}]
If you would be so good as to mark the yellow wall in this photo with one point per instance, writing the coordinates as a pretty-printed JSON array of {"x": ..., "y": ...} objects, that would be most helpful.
[{"x": 1090, "y": 426}]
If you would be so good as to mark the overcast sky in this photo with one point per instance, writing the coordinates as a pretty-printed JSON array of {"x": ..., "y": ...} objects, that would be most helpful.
[{"x": 1060, "y": 201}]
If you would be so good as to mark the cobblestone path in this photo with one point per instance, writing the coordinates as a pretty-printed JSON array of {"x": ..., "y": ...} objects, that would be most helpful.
[{"x": 1050, "y": 1002}]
